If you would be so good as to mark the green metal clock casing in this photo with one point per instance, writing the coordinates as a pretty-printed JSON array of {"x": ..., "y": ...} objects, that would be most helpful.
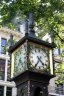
[{"x": 31, "y": 54}]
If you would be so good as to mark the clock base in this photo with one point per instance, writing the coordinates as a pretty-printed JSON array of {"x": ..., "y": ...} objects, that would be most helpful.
[{"x": 32, "y": 84}]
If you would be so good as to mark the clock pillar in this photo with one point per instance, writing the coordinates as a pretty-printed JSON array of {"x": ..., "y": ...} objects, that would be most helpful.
[{"x": 31, "y": 78}]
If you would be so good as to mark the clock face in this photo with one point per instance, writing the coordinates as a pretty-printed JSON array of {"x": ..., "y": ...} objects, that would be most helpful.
[
  {"x": 20, "y": 60},
  {"x": 39, "y": 58}
]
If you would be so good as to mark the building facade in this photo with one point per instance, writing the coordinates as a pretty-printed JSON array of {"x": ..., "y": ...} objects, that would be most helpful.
[
  {"x": 7, "y": 88},
  {"x": 54, "y": 88}
]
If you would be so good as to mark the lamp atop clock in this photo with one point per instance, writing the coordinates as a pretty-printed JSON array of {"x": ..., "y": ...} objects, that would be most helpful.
[{"x": 31, "y": 53}]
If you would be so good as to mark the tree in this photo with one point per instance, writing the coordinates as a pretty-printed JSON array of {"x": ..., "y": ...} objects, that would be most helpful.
[
  {"x": 48, "y": 13},
  {"x": 49, "y": 16}
]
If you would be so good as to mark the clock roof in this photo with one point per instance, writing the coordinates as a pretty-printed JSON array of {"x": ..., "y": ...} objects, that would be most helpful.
[{"x": 31, "y": 39}]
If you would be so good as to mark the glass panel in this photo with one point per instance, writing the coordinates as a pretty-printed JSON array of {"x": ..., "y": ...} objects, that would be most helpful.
[
  {"x": 3, "y": 41},
  {"x": 20, "y": 59},
  {"x": 1, "y": 90},
  {"x": 3, "y": 45},
  {"x": 9, "y": 91},
  {"x": 3, "y": 49},
  {"x": 59, "y": 89},
  {"x": 38, "y": 92},
  {"x": 39, "y": 58},
  {"x": 2, "y": 69}
]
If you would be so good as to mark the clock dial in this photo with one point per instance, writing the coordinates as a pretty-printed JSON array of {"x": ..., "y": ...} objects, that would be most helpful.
[
  {"x": 20, "y": 60},
  {"x": 38, "y": 58}
]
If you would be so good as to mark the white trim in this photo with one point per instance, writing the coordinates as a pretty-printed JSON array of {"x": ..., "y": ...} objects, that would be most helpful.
[
  {"x": 9, "y": 31},
  {"x": 5, "y": 88},
  {"x": 51, "y": 62},
  {"x": 12, "y": 65},
  {"x": 0, "y": 44},
  {"x": 55, "y": 94},
  {"x": 4, "y": 56},
  {"x": 7, "y": 83},
  {"x": 14, "y": 91}
]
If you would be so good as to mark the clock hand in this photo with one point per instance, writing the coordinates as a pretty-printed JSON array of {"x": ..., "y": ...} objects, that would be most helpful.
[
  {"x": 39, "y": 58},
  {"x": 36, "y": 63},
  {"x": 45, "y": 64}
]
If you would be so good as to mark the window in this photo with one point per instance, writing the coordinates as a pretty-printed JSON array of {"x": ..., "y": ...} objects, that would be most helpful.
[
  {"x": 2, "y": 69},
  {"x": 59, "y": 89},
  {"x": 9, "y": 91},
  {"x": 3, "y": 45},
  {"x": 1, "y": 90},
  {"x": 57, "y": 51},
  {"x": 38, "y": 92}
]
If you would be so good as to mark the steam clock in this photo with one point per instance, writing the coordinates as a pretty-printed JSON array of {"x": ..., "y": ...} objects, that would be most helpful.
[{"x": 31, "y": 63}]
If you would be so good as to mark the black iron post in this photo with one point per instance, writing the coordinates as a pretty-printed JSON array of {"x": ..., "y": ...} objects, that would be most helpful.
[
  {"x": 11, "y": 40},
  {"x": 31, "y": 25},
  {"x": 26, "y": 27}
]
